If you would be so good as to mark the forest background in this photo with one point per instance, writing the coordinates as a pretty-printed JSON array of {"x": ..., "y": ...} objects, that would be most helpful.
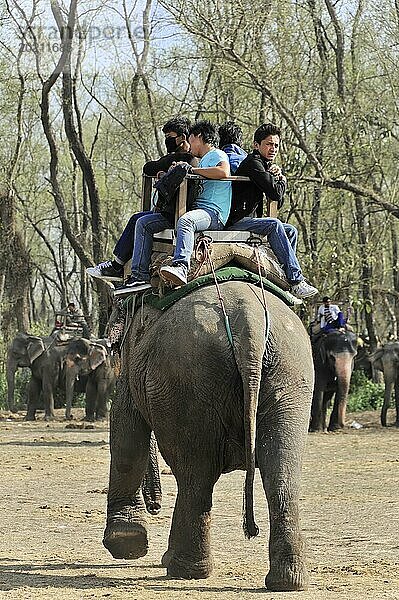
[{"x": 86, "y": 86}]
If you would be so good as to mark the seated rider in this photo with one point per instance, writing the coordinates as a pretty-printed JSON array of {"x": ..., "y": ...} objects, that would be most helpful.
[
  {"x": 74, "y": 318},
  {"x": 210, "y": 210},
  {"x": 330, "y": 316},
  {"x": 267, "y": 179},
  {"x": 230, "y": 135},
  {"x": 230, "y": 141},
  {"x": 178, "y": 149}
]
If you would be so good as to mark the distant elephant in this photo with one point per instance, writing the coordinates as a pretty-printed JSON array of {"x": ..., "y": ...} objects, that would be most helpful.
[
  {"x": 386, "y": 359},
  {"x": 333, "y": 355},
  {"x": 44, "y": 357},
  {"x": 214, "y": 406},
  {"x": 90, "y": 358}
]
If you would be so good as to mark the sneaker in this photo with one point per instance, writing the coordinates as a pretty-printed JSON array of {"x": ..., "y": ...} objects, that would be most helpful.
[
  {"x": 106, "y": 271},
  {"x": 176, "y": 274},
  {"x": 131, "y": 286},
  {"x": 303, "y": 289}
]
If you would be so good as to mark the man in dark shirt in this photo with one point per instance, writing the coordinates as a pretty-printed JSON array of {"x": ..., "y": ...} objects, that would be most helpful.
[
  {"x": 178, "y": 149},
  {"x": 267, "y": 179}
]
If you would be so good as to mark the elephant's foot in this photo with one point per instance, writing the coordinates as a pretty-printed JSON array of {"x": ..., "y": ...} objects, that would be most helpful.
[
  {"x": 49, "y": 417},
  {"x": 167, "y": 557},
  {"x": 180, "y": 567},
  {"x": 287, "y": 575},
  {"x": 88, "y": 418},
  {"x": 335, "y": 427},
  {"x": 29, "y": 417},
  {"x": 125, "y": 535}
]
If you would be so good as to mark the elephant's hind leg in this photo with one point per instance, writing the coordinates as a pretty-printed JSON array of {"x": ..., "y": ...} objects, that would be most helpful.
[
  {"x": 280, "y": 444},
  {"x": 125, "y": 535},
  {"x": 189, "y": 551}
]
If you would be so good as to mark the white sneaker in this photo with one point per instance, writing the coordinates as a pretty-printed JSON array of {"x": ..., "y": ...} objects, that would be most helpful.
[
  {"x": 131, "y": 286},
  {"x": 105, "y": 271},
  {"x": 303, "y": 289},
  {"x": 176, "y": 274}
]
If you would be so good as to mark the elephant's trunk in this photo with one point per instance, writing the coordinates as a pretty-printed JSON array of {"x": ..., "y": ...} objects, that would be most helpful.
[
  {"x": 151, "y": 486},
  {"x": 389, "y": 379},
  {"x": 11, "y": 370},
  {"x": 343, "y": 370},
  {"x": 249, "y": 344},
  {"x": 71, "y": 372}
]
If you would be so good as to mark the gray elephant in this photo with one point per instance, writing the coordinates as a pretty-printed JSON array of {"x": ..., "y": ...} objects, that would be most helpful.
[
  {"x": 386, "y": 359},
  {"x": 44, "y": 357},
  {"x": 333, "y": 354},
  {"x": 214, "y": 406},
  {"x": 90, "y": 358}
]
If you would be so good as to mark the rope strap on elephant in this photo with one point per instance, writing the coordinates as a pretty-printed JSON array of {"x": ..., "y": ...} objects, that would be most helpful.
[{"x": 222, "y": 275}]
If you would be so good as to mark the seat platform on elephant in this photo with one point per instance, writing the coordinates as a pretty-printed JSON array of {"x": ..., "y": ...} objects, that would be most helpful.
[{"x": 226, "y": 246}]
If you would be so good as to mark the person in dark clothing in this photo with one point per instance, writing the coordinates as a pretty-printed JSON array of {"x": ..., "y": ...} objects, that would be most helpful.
[
  {"x": 176, "y": 132},
  {"x": 267, "y": 179}
]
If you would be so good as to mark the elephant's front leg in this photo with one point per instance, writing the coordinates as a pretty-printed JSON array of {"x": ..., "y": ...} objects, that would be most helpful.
[
  {"x": 34, "y": 391},
  {"x": 316, "y": 418},
  {"x": 280, "y": 445},
  {"x": 397, "y": 402},
  {"x": 125, "y": 535}
]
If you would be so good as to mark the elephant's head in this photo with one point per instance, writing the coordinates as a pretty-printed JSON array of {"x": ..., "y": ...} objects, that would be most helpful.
[
  {"x": 340, "y": 348},
  {"x": 82, "y": 358},
  {"x": 23, "y": 351},
  {"x": 386, "y": 359}
]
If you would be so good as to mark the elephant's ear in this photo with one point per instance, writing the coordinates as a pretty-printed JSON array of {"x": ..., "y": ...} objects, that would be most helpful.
[
  {"x": 97, "y": 356},
  {"x": 34, "y": 348},
  {"x": 375, "y": 359}
]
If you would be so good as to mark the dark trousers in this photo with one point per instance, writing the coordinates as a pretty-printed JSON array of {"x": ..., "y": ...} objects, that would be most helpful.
[{"x": 124, "y": 246}]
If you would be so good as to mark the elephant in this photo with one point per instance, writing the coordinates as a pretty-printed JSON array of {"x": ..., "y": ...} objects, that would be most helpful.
[
  {"x": 386, "y": 359},
  {"x": 219, "y": 394},
  {"x": 333, "y": 354},
  {"x": 44, "y": 357},
  {"x": 90, "y": 358}
]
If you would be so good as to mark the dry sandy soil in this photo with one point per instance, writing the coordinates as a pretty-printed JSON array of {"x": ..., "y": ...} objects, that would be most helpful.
[{"x": 53, "y": 506}]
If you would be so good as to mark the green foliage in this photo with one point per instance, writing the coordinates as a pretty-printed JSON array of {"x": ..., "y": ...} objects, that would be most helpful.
[{"x": 364, "y": 394}]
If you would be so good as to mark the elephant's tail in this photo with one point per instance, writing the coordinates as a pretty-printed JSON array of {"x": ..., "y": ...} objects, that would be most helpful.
[{"x": 248, "y": 353}]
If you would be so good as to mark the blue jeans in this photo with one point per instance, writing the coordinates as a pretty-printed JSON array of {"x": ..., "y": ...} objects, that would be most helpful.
[
  {"x": 339, "y": 322},
  {"x": 124, "y": 246},
  {"x": 145, "y": 228},
  {"x": 198, "y": 219},
  {"x": 282, "y": 245}
]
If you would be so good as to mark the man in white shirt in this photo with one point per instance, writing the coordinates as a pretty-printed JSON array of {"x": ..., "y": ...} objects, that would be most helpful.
[{"x": 330, "y": 316}]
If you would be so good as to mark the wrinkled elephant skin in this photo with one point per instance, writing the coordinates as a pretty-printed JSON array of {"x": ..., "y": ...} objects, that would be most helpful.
[{"x": 211, "y": 408}]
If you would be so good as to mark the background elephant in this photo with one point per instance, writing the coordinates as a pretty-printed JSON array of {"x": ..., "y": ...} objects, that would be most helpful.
[
  {"x": 90, "y": 358},
  {"x": 333, "y": 355},
  {"x": 43, "y": 355},
  {"x": 386, "y": 359},
  {"x": 212, "y": 406}
]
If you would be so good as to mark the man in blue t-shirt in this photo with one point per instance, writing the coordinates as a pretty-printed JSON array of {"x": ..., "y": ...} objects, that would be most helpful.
[{"x": 210, "y": 210}]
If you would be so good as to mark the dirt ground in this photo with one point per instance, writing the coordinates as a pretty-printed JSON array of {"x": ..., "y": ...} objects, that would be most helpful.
[{"x": 53, "y": 509}]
